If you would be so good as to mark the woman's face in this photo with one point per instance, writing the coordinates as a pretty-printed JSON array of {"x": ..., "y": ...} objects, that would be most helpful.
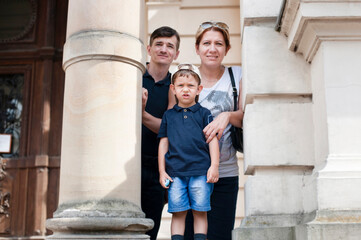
[{"x": 212, "y": 48}]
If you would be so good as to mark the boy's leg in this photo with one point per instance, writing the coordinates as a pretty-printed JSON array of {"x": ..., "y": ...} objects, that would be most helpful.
[
  {"x": 177, "y": 237},
  {"x": 200, "y": 225},
  {"x": 178, "y": 223},
  {"x": 199, "y": 193},
  {"x": 189, "y": 232},
  {"x": 200, "y": 222},
  {"x": 200, "y": 236},
  {"x": 178, "y": 205}
]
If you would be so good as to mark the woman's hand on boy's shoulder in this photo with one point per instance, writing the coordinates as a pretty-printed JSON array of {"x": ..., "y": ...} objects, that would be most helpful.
[{"x": 216, "y": 127}]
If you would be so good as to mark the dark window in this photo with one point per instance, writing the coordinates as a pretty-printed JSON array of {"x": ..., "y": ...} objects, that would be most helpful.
[{"x": 11, "y": 106}]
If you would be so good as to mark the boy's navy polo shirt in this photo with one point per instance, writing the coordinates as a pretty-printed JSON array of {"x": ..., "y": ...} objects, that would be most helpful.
[
  {"x": 188, "y": 152},
  {"x": 157, "y": 104}
]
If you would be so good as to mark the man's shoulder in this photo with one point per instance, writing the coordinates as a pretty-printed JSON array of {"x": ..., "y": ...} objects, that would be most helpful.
[
  {"x": 166, "y": 80},
  {"x": 147, "y": 76}
]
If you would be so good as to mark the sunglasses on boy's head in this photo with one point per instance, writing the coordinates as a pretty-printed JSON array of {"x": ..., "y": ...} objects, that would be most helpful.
[
  {"x": 220, "y": 25},
  {"x": 186, "y": 66},
  {"x": 190, "y": 67}
]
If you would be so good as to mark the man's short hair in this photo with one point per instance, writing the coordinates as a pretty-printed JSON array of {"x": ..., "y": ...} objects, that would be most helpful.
[{"x": 164, "y": 31}]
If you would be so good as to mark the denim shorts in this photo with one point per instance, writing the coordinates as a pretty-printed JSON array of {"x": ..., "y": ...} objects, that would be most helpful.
[{"x": 187, "y": 193}]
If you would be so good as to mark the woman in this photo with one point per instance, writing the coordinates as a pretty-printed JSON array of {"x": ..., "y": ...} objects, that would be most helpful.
[{"x": 212, "y": 45}]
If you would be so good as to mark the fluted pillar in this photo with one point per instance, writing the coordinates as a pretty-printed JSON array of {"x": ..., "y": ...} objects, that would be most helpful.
[{"x": 104, "y": 59}]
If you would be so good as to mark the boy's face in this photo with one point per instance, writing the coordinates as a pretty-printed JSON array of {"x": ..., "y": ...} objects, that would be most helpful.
[
  {"x": 186, "y": 88},
  {"x": 163, "y": 50}
]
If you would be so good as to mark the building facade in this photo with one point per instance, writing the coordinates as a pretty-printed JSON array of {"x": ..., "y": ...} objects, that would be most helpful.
[
  {"x": 301, "y": 89},
  {"x": 70, "y": 92},
  {"x": 31, "y": 103}
]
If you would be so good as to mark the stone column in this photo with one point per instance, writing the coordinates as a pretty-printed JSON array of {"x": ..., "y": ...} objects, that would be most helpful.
[
  {"x": 104, "y": 59},
  {"x": 328, "y": 36},
  {"x": 302, "y": 121},
  {"x": 278, "y": 129}
]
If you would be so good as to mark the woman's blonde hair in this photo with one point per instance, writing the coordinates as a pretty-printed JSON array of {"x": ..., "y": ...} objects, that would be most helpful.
[{"x": 215, "y": 26}]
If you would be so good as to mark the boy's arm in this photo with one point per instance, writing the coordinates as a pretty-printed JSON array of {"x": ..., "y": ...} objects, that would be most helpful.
[
  {"x": 213, "y": 174},
  {"x": 163, "y": 149}
]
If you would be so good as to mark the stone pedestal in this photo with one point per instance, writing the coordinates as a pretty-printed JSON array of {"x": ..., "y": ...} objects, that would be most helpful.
[
  {"x": 104, "y": 59},
  {"x": 104, "y": 219}
]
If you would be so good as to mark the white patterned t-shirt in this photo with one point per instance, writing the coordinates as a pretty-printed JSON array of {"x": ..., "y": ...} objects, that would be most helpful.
[{"x": 219, "y": 98}]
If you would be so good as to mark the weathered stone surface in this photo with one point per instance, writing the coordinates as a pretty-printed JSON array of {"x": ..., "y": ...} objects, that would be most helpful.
[
  {"x": 113, "y": 219},
  {"x": 265, "y": 233},
  {"x": 331, "y": 225},
  {"x": 103, "y": 208}
]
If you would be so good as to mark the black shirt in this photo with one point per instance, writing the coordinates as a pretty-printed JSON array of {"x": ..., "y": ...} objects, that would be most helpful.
[{"x": 157, "y": 104}]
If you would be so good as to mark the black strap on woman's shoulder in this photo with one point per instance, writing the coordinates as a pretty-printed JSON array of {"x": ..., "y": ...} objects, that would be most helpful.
[{"x": 235, "y": 93}]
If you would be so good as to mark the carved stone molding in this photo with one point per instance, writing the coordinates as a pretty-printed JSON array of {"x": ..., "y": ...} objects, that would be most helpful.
[
  {"x": 104, "y": 45},
  {"x": 4, "y": 204},
  {"x": 2, "y": 170},
  {"x": 308, "y": 23}
]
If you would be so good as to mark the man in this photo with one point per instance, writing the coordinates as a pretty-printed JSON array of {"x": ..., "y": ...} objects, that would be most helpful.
[{"x": 163, "y": 48}]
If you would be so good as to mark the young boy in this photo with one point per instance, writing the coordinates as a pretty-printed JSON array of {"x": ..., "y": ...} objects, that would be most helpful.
[{"x": 185, "y": 159}]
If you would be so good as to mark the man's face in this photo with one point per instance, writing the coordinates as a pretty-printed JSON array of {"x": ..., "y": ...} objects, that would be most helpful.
[{"x": 163, "y": 50}]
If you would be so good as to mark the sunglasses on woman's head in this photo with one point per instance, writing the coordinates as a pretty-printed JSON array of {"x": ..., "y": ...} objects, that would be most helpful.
[{"x": 220, "y": 25}]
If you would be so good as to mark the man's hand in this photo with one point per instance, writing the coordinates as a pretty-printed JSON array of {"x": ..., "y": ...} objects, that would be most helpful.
[{"x": 144, "y": 99}]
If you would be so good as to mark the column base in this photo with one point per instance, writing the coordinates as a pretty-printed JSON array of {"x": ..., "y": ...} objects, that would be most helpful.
[
  {"x": 104, "y": 219},
  {"x": 331, "y": 225},
  {"x": 100, "y": 236},
  {"x": 267, "y": 227},
  {"x": 265, "y": 233},
  {"x": 319, "y": 225}
]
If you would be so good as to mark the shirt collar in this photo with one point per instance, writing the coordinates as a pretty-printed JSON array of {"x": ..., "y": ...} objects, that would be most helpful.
[
  {"x": 193, "y": 108},
  {"x": 163, "y": 81}
]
